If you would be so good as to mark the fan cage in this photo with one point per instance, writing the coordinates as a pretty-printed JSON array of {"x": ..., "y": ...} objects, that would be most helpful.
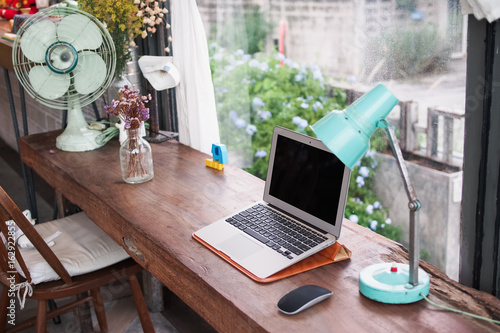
[{"x": 23, "y": 66}]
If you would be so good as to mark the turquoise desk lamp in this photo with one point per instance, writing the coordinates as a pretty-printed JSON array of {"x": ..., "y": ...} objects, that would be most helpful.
[{"x": 347, "y": 134}]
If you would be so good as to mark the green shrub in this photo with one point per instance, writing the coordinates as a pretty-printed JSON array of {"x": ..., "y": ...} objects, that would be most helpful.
[
  {"x": 256, "y": 94},
  {"x": 257, "y": 29},
  {"x": 405, "y": 53}
]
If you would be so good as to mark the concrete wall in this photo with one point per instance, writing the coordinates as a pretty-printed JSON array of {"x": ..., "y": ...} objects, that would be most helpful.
[
  {"x": 440, "y": 196},
  {"x": 326, "y": 33}
]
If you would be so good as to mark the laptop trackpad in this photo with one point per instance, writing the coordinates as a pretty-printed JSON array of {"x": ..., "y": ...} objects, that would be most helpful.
[{"x": 238, "y": 247}]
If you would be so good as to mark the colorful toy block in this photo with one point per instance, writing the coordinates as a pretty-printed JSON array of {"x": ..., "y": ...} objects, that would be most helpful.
[
  {"x": 219, "y": 157},
  {"x": 214, "y": 164},
  {"x": 219, "y": 153}
]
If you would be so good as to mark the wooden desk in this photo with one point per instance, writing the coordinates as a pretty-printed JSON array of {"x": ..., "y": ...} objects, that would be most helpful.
[{"x": 160, "y": 216}]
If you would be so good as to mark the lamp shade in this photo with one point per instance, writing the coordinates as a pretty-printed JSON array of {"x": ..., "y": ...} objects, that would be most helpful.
[{"x": 347, "y": 133}]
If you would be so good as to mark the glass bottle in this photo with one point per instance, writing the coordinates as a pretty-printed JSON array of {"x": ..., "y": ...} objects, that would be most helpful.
[{"x": 136, "y": 158}]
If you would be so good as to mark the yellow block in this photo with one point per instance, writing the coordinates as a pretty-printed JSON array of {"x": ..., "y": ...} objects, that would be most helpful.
[{"x": 214, "y": 164}]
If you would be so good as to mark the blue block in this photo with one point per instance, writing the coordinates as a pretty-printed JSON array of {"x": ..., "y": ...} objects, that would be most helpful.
[{"x": 219, "y": 153}]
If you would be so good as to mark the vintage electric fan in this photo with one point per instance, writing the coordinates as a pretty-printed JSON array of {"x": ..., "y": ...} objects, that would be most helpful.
[{"x": 65, "y": 59}]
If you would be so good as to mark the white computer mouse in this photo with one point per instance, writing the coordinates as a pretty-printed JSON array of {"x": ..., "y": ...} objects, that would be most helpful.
[{"x": 302, "y": 298}]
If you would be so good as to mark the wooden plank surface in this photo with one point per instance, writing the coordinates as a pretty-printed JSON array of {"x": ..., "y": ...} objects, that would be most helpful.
[{"x": 160, "y": 216}]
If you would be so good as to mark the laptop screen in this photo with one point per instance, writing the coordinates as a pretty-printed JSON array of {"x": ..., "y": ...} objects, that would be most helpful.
[{"x": 307, "y": 180}]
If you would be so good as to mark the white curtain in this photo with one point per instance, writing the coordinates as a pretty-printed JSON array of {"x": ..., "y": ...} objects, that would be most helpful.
[
  {"x": 197, "y": 117},
  {"x": 488, "y": 9}
]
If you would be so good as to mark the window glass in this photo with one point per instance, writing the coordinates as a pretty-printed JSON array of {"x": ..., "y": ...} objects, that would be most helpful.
[{"x": 289, "y": 62}]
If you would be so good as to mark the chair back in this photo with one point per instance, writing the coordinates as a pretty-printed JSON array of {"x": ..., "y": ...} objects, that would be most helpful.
[{"x": 9, "y": 250}]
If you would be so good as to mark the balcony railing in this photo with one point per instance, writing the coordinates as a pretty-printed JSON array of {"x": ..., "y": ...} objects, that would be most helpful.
[{"x": 441, "y": 132}]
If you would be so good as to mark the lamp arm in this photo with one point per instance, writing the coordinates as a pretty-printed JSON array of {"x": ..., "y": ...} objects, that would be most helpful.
[
  {"x": 396, "y": 150},
  {"x": 413, "y": 205}
]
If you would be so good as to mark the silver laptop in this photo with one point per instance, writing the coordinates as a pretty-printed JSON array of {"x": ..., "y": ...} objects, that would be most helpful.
[{"x": 300, "y": 214}]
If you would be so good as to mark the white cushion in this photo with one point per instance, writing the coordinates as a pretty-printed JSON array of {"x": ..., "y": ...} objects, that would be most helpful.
[{"x": 82, "y": 248}]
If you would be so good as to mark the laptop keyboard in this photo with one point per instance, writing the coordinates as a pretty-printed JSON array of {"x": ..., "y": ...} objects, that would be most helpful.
[{"x": 275, "y": 230}]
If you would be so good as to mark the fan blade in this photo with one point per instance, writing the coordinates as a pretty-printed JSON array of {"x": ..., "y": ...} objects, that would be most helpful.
[
  {"x": 48, "y": 84},
  {"x": 79, "y": 31},
  {"x": 90, "y": 72},
  {"x": 37, "y": 39}
]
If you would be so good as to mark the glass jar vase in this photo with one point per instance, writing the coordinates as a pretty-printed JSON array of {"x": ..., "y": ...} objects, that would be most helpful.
[{"x": 136, "y": 158}]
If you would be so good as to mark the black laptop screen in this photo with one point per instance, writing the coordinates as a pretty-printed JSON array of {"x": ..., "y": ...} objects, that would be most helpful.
[{"x": 308, "y": 178}]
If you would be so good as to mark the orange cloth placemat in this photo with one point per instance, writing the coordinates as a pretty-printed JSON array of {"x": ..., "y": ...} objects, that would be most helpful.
[{"x": 334, "y": 253}]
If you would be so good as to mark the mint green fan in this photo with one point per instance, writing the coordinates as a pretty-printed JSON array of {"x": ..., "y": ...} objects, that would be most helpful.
[{"x": 65, "y": 59}]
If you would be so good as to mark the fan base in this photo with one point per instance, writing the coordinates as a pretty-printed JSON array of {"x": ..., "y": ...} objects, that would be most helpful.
[{"x": 77, "y": 141}]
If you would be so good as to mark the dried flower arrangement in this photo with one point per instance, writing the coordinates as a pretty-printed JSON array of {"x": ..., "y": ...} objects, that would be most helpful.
[
  {"x": 130, "y": 107},
  {"x": 136, "y": 158}
]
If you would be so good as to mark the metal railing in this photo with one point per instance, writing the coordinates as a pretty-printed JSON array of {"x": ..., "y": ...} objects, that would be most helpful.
[
  {"x": 436, "y": 155},
  {"x": 433, "y": 116}
]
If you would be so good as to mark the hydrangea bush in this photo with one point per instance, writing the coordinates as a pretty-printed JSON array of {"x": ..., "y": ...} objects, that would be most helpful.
[{"x": 256, "y": 93}]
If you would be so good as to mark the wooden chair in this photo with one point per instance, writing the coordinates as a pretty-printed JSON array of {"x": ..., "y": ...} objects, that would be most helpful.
[{"x": 66, "y": 283}]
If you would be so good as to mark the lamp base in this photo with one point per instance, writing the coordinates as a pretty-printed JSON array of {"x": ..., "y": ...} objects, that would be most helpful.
[{"x": 389, "y": 283}]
